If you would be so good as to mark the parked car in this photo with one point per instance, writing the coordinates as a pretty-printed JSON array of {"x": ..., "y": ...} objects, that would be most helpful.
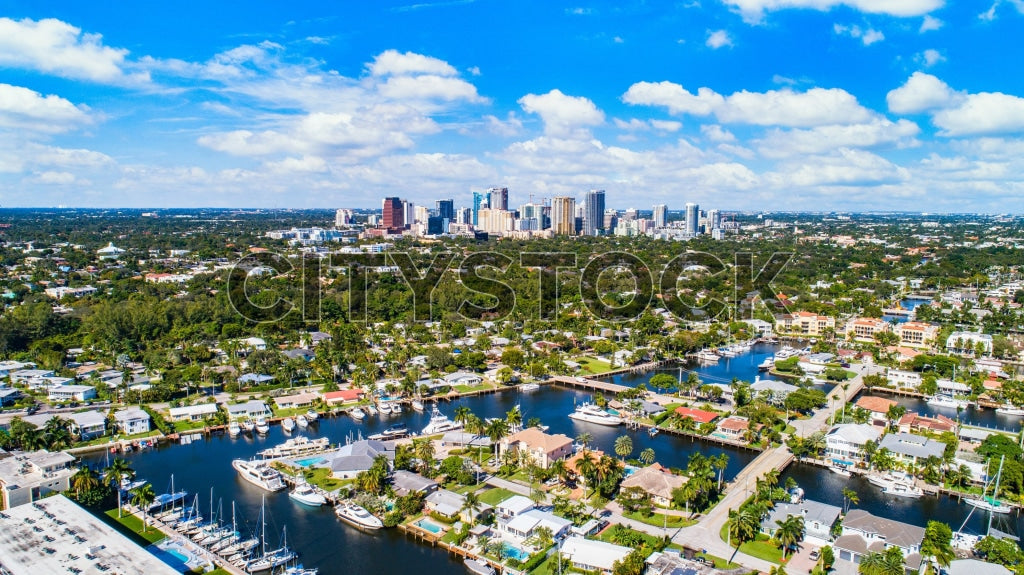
[{"x": 815, "y": 555}]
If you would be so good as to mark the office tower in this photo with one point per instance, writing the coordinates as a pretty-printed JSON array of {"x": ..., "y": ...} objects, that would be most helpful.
[
  {"x": 660, "y": 215},
  {"x": 611, "y": 218},
  {"x": 714, "y": 220},
  {"x": 435, "y": 225},
  {"x": 630, "y": 215},
  {"x": 446, "y": 209},
  {"x": 593, "y": 216},
  {"x": 495, "y": 221},
  {"x": 393, "y": 214},
  {"x": 692, "y": 214},
  {"x": 408, "y": 212},
  {"x": 530, "y": 211},
  {"x": 421, "y": 214},
  {"x": 343, "y": 217},
  {"x": 497, "y": 198},
  {"x": 463, "y": 216},
  {"x": 563, "y": 215},
  {"x": 545, "y": 216},
  {"x": 480, "y": 201}
]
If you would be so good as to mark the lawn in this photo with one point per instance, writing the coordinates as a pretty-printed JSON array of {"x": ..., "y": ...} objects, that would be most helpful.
[
  {"x": 495, "y": 496},
  {"x": 469, "y": 388},
  {"x": 592, "y": 365},
  {"x": 450, "y": 536},
  {"x": 134, "y": 524},
  {"x": 659, "y": 519},
  {"x": 719, "y": 562},
  {"x": 321, "y": 477},
  {"x": 760, "y": 547},
  {"x": 608, "y": 536}
]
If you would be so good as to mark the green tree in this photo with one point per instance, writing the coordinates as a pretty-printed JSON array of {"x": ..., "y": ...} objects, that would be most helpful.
[
  {"x": 937, "y": 543},
  {"x": 850, "y": 497},
  {"x": 623, "y": 446},
  {"x": 889, "y": 562},
  {"x": 141, "y": 497},
  {"x": 117, "y": 472},
  {"x": 647, "y": 456},
  {"x": 743, "y": 526},
  {"x": 790, "y": 533}
]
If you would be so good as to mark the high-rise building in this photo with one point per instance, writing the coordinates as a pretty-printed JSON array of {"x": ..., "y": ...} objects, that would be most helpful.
[
  {"x": 692, "y": 215},
  {"x": 435, "y": 225},
  {"x": 480, "y": 201},
  {"x": 421, "y": 213},
  {"x": 563, "y": 215},
  {"x": 611, "y": 219},
  {"x": 495, "y": 221},
  {"x": 393, "y": 214},
  {"x": 714, "y": 220},
  {"x": 343, "y": 217},
  {"x": 497, "y": 198},
  {"x": 660, "y": 215},
  {"x": 446, "y": 209},
  {"x": 630, "y": 215},
  {"x": 463, "y": 216},
  {"x": 593, "y": 216},
  {"x": 408, "y": 212}
]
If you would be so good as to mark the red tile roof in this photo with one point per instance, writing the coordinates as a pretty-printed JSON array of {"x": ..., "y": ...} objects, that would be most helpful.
[
  {"x": 875, "y": 404},
  {"x": 698, "y": 415}
]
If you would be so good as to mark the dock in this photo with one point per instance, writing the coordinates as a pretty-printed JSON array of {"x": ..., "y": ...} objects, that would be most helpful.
[
  {"x": 588, "y": 384},
  {"x": 188, "y": 543}
]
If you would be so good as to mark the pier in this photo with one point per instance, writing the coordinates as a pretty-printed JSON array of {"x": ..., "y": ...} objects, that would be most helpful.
[
  {"x": 638, "y": 368},
  {"x": 588, "y": 384},
  {"x": 185, "y": 541}
]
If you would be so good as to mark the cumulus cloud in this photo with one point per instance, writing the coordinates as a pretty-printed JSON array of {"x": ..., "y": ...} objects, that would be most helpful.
[
  {"x": 24, "y": 109},
  {"x": 845, "y": 167},
  {"x": 868, "y": 36},
  {"x": 716, "y": 133},
  {"x": 983, "y": 113},
  {"x": 815, "y": 107},
  {"x": 637, "y": 125},
  {"x": 510, "y": 126},
  {"x": 395, "y": 62},
  {"x": 921, "y": 92},
  {"x": 55, "y": 47},
  {"x": 560, "y": 113},
  {"x": 931, "y": 57},
  {"x": 429, "y": 86},
  {"x": 753, "y": 10},
  {"x": 930, "y": 23},
  {"x": 718, "y": 39},
  {"x": 878, "y": 132}
]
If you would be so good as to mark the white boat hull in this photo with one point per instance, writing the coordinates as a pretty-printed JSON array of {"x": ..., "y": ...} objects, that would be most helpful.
[
  {"x": 1013, "y": 411},
  {"x": 357, "y": 517},
  {"x": 609, "y": 422},
  {"x": 986, "y": 506}
]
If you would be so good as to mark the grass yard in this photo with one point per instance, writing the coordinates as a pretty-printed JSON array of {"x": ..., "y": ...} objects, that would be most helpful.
[
  {"x": 321, "y": 477},
  {"x": 134, "y": 524},
  {"x": 659, "y": 519},
  {"x": 592, "y": 365},
  {"x": 761, "y": 547},
  {"x": 495, "y": 496}
]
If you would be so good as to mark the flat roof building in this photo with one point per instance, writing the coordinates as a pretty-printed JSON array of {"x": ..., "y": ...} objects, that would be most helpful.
[{"x": 26, "y": 477}]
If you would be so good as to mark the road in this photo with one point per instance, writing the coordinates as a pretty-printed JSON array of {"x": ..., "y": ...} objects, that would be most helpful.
[{"x": 836, "y": 399}]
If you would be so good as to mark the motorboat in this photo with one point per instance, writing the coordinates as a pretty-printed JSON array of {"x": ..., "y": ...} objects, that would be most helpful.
[
  {"x": 840, "y": 470},
  {"x": 903, "y": 489},
  {"x": 357, "y": 414},
  {"x": 300, "y": 445},
  {"x": 312, "y": 415},
  {"x": 439, "y": 423},
  {"x": 417, "y": 405},
  {"x": 262, "y": 427},
  {"x": 357, "y": 516},
  {"x": 707, "y": 356},
  {"x": 990, "y": 503},
  {"x": 371, "y": 410},
  {"x": 259, "y": 474},
  {"x": 591, "y": 413},
  {"x": 288, "y": 424},
  {"x": 385, "y": 409},
  {"x": 947, "y": 401},
  {"x": 653, "y": 431},
  {"x": 478, "y": 567},
  {"x": 307, "y": 495},
  {"x": 766, "y": 365},
  {"x": 301, "y": 421},
  {"x": 1010, "y": 410},
  {"x": 785, "y": 353},
  {"x": 300, "y": 570},
  {"x": 397, "y": 408},
  {"x": 234, "y": 429},
  {"x": 248, "y": 425},
  {"x": 529, "y": 387},
  {"x": 396, "y": 431},
  {"x": 727, "y": 351}
]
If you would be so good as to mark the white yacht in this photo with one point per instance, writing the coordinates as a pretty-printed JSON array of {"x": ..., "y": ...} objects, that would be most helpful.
[
  {"x": 903, "y": 489},
  {"x": 439, "y": 423},
  {"x": 766, "y": 365},
  {"x": 262, "y": 427},
  {"x": 385, "y": 409},
  {"x": 312, "y": 415},
  {"x": 987, "y": 502},
  {"x": 357, "y": 516},
  {"x": 707, "y": 356},
  {"x": 357, "y": 414},
  {"x": 397, "y": 408},
  {"x": 301, "y": 421},
  {"x": 1010, "y": 410},
  {"x": 248, "y": 425},
  {"x": 396, "y": 431},
  {"x": 259, "y": 474},
  {"x": 593, "y": 414},
  {"x": 479, "y": 567},
  {"x": 305, "y": 493},
  {"x": 785, "y": 353},
  {"x": 529, "y": 387},
  {"x": 417, "y": 405},
  {"x": 288, "y": 424},
  {"x": 301, "y": 445},
  {"x": 947, "y": 401},
  {"x": 371, "y": 410},
  {"x": 840, "y": 470},
  {"x": 234, "y": 429}
]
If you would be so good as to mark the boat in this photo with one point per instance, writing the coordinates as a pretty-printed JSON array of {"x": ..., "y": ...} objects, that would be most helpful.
[
  {"x": 270, "y": 560},
  {"x": 305, "y": 493},
  {"x": 707, "y": 356},
  {"x": 417, "y": 405},
  {"x": 312, "y": 415},
  {"x": 529, "y": 387},
  {"x": 385, "y": 409},
  {"x": 990, "y": 503},
  {"x": 478, "y": 567},
  {"x": 591, "y": 413},
  {"x": 301, "y": 445},
  {"x": 234, "y": 429},
  {"x": 371, "y": 410},
  {"x": 947, "y": 401},
  {"x": 439, "y": 423},
  {"x": 1010, "y": 410},
  {"x": 300, "y": 570},
  {"x": 396, "y": 431},
  {"x": 397, "y": 408},
  {"x": 288, "y": 424},
  {"x": 357, "y": 516},
  {"x": 262, "y": 427},
  {"x": 840, "y": 470},
  {"x": 785, "y": 353},
  {"x": 727, "y": 351},
  {"x": 301, "y": 421},
  {"x": 259, "y": 474},
  {"x": 766, "y": 365},
  {"x": 653, "y": 431},
  {"x": 903, "y": 489},
  {"x": 357, "y": 413},
  {"x": 248, "y": 425}
]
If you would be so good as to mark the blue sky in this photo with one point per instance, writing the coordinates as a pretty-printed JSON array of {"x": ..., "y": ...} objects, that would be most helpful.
[{"x": 737, "y": 104}]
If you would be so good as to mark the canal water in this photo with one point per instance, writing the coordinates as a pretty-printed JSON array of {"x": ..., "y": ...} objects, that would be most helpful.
[
  {"x": 742, "y": 367},
  {"x": 321, "y": 539},
  {"x": 982, "y": 417}
]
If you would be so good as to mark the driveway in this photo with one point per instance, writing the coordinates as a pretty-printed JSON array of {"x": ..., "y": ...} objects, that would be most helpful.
[{"x": 801, "y": 562}]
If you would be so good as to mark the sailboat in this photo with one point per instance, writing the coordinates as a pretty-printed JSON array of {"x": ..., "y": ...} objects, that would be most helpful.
[
  {"x": 990, "y": 503},
  {"x": 269, "y": 560}
]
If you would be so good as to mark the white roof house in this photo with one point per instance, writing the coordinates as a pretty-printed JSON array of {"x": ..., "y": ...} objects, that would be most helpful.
[
  {"x": 71, "y": 392},
  {"x": 515, "y": 505},
  {"x": 132, "y": 420},
  {"x": 844, "y": 442},
  {"x": 192, "y": 412},
  {"x": 591, "y": 555},
  {"x": 251, "y": 408},
  {"x": 525, "y": 524},
  {"x": 88, "y": 424}
]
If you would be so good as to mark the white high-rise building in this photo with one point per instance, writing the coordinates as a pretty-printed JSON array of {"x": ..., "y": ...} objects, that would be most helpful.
[
  {"x": 343, "y": 217},
  {"x": 593, "y": 217},
  {"x": 692, "y": 217},
  {"x": 660, "y": 215},
  {"x": 463, "y": 216},
  {"x": 409, "y": 212},
  {"x": 714, "y": 220}
]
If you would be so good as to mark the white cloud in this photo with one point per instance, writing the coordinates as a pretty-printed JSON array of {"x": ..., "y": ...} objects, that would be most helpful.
[
  {"x": 931, "y": 57},
  {"x": 990, "y": 14},
  {"x": 562, "y": 114},
  {"x": 930, "y": 23},
  {"x": 304, "y": 164},
  {"x": 54, "y": 178},
  {"x": 54, "y": 47},
  {"x": 395, "y": 62},
  {"x": 717, "y": 39},
  {"x": 753, "y": 10},
  {"x": 868, "y": 36},
  {"x": 846, "y": 167},
  {"x": 983, "y": 113},
  {"x": 578, "y": 11},
  {"x": 815, "y": 107},
  {"x": 636, "y": 125},
  {"x": 618, "y": 40},
  {"x": 921, "y": 92},
  {"x": 511, "y": 126},
  {"x": 879, "y": 132},
  {"x": 24, "y": 109},
  {"x": 666, "y": 125},
  {"x": 474, "y": 70},
  {"x": 716, "y": 133},
  {"x": 428, "y": 87}
]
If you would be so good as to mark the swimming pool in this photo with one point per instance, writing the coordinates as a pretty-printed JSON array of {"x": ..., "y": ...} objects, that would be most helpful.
[
  {"x": 175, "y": 554},
  {"x": 309, "y": 461},
  {"x": 428, "y": 525},
  {"x": 513, "y": 552}
]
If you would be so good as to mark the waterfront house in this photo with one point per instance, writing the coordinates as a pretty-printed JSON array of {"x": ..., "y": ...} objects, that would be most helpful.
[
  {"x": 87, "y": 424},
  {"x": 197, "y": 412},
  {"x": 657, "y": 482},
  {"x": 252, "y": 409},
  {"x": 699, "y": 416},
  {"x": 877, "y": 407},
  {"x": 526, "y": 524},
  {"x": 353, "y": 458},
  {"x": 342, "y": 396},
  {"x": 461, "y": 378},
  {"x": 912, "y": 448},
  {"x": 298, "y": 400},
  {"x": 976, "y": 567},
  {"x": 818, "y": 518},
  {"x": 71, "y": 393},
  {"x": 773, "y": 391},
  {"x": 968, "y": 344},
  {"x": 132, "y": 420},
  {"x": 733, "y": 427},
  {"x": 913, "y": 421},
  {"x": 449, "y": 505},
  {"x": 864, "y": 533},
  {"x": 28, "y": 476},
  {"x": 864, "y": 329},
  {"x": 534, "y": 445},
  {"x": 406, "y": 482},
  {"x": 917, "y": 334},
  {"x": 515, "y": 505},
  {"x": 592, "y": 555},
  {"x": 903, "y": 379},
  {"x": 844, "y": 443},
  {"x": 804, "y": 323}
]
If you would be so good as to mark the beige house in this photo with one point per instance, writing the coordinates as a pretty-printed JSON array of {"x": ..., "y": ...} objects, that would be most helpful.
[
  {"x": 657, "y": 481},
  {"x": 537, "y": 446},
  {"x": 804, "y": 323},
  {"x": 864, "y": 328},
  {"x": 917, "y": 334}
]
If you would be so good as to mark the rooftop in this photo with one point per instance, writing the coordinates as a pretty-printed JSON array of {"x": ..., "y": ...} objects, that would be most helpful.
[{"x": 875, "y": 404}]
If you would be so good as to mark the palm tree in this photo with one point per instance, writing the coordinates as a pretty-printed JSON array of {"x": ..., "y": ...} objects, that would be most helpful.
[
  {"x": 720, "y": 463},
  {"x": 116, "y": 473},
  {"x": 472, "y": 504},
  {"x": 514, "y": 417},
  {"x": 743, "y": 526},
  {"x": 586, "y": 466},
  {"x": 895, "y": 413},
  {"x": 424, "y": 450},
  {"x": 777, "y": 570},
  {"x": 647, "y": 456},
  {"x": 889, "y": 562},
  {"x": 462, "y": 414},
  {"x": 496, "y": 429},
  {"x": 771, "y": 478},
  {"x": 790, "y": 532},
  {"x": 850, "y": 497},
  {"x": 84, "y": 480},
  {"x": 142, "y": 496},
  {"x": 584, "y": 439},
  {"x": 623, "y": 446}
]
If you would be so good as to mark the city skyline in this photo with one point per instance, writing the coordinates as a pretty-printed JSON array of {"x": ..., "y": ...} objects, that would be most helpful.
[{"x": 847, "y": 105}]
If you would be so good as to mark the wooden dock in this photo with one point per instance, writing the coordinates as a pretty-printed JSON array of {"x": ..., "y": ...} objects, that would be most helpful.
[
  {"x": 188, "y": 543},
  {"x": 588, "y": 384}
]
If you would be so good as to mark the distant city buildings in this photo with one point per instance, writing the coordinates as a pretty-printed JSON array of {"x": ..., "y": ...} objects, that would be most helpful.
[
  {"x": 593, "y": 215},
  {"x": 660, "y": 215}
]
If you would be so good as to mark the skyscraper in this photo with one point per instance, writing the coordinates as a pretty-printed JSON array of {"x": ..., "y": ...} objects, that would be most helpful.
[
  {"x": 692, "y": 214},
  {"x": 714, "y": 220},
  {"x": 497, "y": 198},
  {"x": 593, "y": 217},
  {"x": 446, "y": 209},
  {"x": 463, "y": 216},
  {"x": 409, "y": 211},
  {"x": 392, "y": 214},
  {"x": 660, "y": 215},
  {"x": 480, "y": 201},
  {"x": 563, "y": 215}
]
